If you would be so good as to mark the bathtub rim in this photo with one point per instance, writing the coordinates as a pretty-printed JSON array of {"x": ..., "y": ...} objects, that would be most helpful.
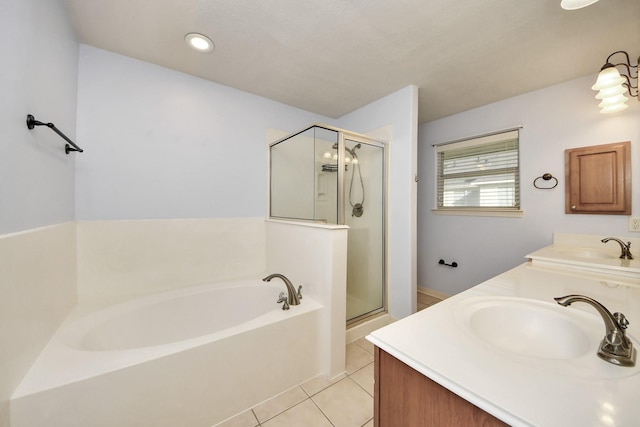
[
  {"x": 59, "y": 364},
  {"x": 77, "y": 329}
]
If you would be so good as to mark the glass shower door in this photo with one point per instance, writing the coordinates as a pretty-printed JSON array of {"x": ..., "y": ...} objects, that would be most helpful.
[
  {"x": 336, "y": 177},
  {"x": 364, "y": 214}
]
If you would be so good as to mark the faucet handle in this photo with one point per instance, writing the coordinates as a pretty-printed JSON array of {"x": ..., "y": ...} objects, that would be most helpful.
[
  {"x": 300, "y": 292},
  {"x": 283, "y": 299},
  {"x": 629, "y": 256},
  {"x": 622, "y": 320}
]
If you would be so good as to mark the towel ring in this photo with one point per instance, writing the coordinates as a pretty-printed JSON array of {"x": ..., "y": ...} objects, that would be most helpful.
[{"x": 546, "y": 177}]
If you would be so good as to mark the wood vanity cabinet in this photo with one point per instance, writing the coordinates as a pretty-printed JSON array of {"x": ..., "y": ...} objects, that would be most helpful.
[
  {"x": 598, "y": 179},
  {"x": 403, "y": 397}
]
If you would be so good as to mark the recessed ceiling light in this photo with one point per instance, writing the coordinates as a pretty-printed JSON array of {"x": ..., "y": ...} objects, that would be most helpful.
[{"x": 199, "y": 42}]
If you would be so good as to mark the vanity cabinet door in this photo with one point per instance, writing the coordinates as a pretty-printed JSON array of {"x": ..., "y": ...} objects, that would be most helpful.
[
  {"x": 598, "y": 179},
  {"x": 404, "y": 397}
]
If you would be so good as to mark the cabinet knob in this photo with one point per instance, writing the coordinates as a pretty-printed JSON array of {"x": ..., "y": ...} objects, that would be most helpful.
[{"x": 573, "y": 207}]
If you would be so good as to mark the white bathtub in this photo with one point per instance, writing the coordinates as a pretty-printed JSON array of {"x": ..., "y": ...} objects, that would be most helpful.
[{"x": 191, "y": 357}]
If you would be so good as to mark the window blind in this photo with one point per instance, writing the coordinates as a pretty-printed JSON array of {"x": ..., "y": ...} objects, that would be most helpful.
[{"x": 479, "y": 172}]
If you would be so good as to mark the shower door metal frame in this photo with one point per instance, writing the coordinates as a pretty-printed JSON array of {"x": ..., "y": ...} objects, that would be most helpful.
[
  {"x": 364, "y": 139},
  {"x": 343, "y": 135}
]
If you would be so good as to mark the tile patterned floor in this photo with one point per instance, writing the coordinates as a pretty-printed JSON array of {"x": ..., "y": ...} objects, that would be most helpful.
[{"x": 346, "y": 401}]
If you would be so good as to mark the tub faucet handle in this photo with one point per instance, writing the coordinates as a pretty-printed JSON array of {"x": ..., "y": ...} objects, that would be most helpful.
[
  {"x": 292, "y": 296},
  {"x": 283, "y": 299},
  {"x": 300, "y": 292}
]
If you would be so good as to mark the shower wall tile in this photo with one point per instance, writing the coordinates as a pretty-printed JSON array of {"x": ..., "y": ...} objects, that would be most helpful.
[
  {"x": 134, "y": 257},
  {"x": 37, "y": 291}
]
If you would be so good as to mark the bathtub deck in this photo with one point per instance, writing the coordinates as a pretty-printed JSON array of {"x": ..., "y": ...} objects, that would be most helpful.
[{"x": 209, "y": 378}]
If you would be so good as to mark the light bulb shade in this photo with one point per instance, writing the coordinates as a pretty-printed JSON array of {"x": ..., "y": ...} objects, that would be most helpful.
[
  {"x": 613, "y": 100},
  {"x": 576, "y": 4},
  {"x": 612, "y": 91},
  {"x": 608, "y": 78},
  {"x": 613, "y": 108}
]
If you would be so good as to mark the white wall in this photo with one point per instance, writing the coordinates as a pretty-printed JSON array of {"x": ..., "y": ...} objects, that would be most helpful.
[
  {"x": 394, "y": 118},
  {"x": 554, "y": 119},
  {"x": 163, "y": 144},
  {"x": 37, "y": 268},
  {"x": 38, "y": 76}
]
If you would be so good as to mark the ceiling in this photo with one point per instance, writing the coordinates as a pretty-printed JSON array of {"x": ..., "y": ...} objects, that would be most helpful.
[{"x": 331, "y": 57}]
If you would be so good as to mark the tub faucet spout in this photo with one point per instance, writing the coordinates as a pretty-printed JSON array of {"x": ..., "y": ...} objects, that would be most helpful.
[
  {"x": 293, "y": 297},
  {"x": 615, "y": 347},
  {"x": 625, "y": 248}
]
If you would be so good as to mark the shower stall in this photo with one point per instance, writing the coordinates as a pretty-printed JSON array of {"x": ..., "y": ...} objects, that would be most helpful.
[{"x": 330, "y": 175}]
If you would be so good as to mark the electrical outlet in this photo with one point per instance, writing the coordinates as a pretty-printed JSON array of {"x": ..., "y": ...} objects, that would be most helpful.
[{"x": 634, "y": 223}]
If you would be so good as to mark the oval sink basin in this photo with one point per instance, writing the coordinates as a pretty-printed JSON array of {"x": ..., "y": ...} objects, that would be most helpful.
[{"x": 526, "y": 327}]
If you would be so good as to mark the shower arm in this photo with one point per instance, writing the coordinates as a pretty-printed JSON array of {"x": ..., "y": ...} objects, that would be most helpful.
[
  {"x": 70, "y": 146},
  {"x": 350, "y": 151}
]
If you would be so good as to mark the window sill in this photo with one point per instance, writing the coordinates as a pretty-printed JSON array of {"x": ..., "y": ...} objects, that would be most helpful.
[{"x": 505, "y": 213}]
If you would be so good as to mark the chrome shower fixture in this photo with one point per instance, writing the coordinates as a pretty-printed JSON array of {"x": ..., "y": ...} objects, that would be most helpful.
[
  {"x": 351, "y": 151},
  {"x": 357, "y": 208}
]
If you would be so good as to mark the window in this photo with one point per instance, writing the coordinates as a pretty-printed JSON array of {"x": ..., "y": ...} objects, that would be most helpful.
[{"x": 479, "y": 174}]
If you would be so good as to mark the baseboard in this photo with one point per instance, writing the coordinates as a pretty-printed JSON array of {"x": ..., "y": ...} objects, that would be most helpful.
[{"x": 433, "y": 293}]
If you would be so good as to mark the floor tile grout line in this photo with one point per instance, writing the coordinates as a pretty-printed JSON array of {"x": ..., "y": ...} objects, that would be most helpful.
[
  {"x": 363, "y": 366},
  {"x": 326, "y": 387},
  {"x": 320, "y": 409},
  {"x": 362, "y": 347},
  {"x": 256, "y": 417},
  {"x": 310, "y": 396},
  {"x": 358, "y": 384},
  {"x": 285, "y": 410},
  {"x": 297, "y": 404},
  {"x": 280, "y": 413},
  {"x": 366, "y": 422},
  {"x": 347, "y": 376},
  {"x": 305, "y": 392}
]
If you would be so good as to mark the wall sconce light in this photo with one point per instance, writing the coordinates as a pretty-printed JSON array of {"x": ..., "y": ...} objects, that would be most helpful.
[
  {"x": 576, "y": 4},
  {"x": 611, "y": 84}
]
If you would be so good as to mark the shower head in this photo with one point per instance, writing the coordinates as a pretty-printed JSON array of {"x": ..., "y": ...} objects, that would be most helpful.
[{"x": 351, "y": 151}]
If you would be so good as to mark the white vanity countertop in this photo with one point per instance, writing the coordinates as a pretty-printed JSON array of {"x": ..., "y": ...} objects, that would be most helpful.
[
  {"x": 520, "y": 390},
  {"x": 589, "y": 253}
]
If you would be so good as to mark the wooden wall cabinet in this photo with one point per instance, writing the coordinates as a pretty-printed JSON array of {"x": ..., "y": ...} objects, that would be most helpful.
[
  {"x": 598, "y": 179},
  {"x": 404, "y": 397}
]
